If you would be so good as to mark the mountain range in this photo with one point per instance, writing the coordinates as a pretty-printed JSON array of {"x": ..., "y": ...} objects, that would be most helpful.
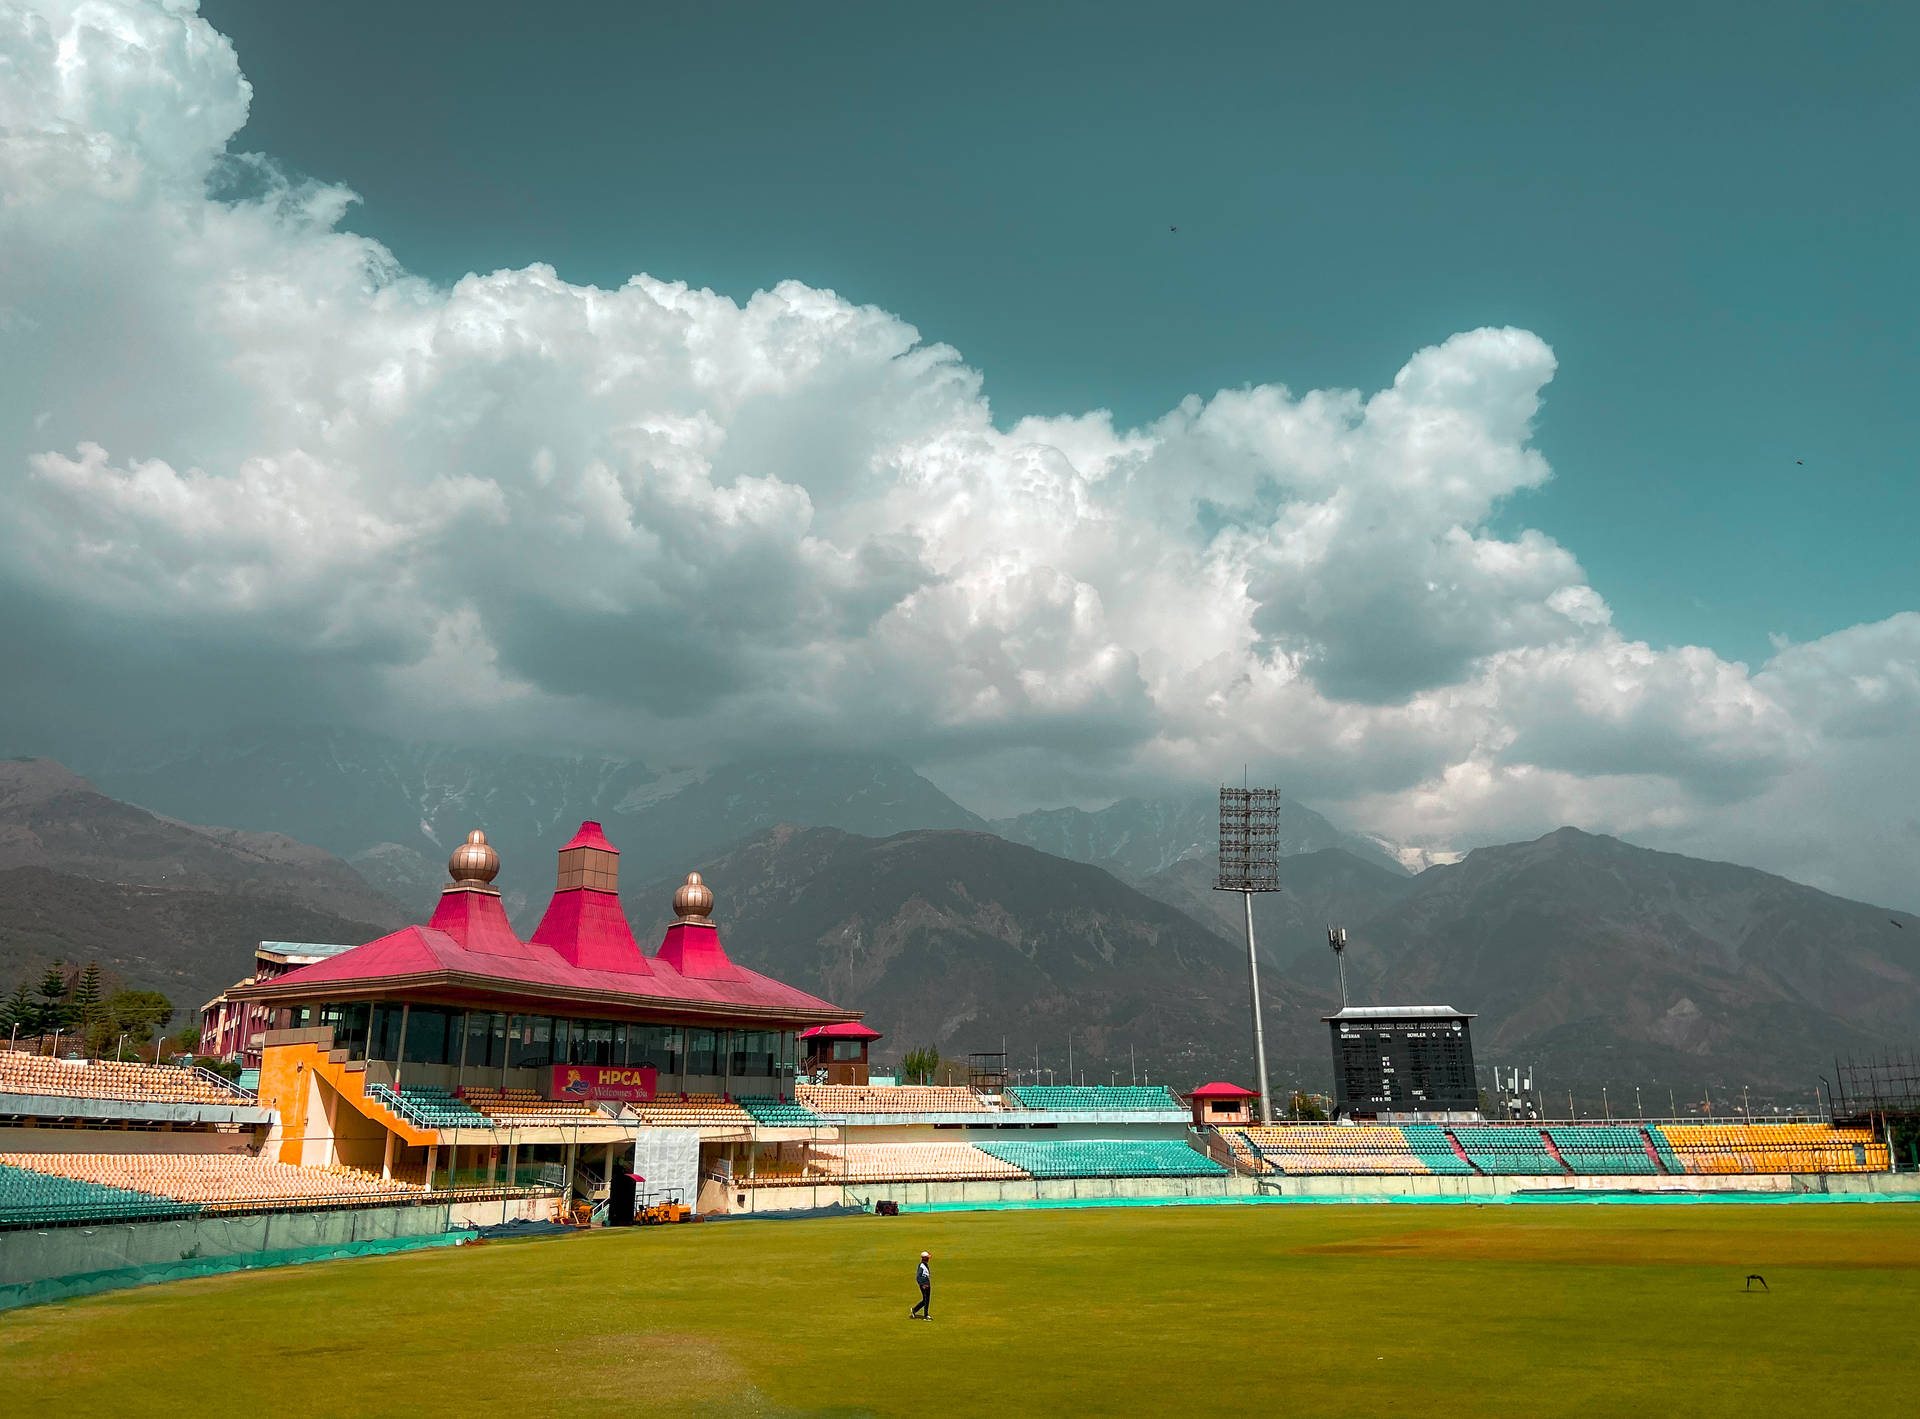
[
  {"x": 162, "y": 903},
  {"x": 857, "y": 877}
]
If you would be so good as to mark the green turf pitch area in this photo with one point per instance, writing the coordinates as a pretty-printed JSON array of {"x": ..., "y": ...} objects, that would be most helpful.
[{"x": 1517, "y": 1310}]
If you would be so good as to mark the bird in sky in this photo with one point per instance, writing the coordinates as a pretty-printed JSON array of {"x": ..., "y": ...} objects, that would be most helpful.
[
  {"x": 1173, "y": 229},
  {"x": 1799, "y": 463}
]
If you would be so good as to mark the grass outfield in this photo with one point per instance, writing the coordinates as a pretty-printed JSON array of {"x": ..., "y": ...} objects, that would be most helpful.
[{"x": 1507, "y": 1310}]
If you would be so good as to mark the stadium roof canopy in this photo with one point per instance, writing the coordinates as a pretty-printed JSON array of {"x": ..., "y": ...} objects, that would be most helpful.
[{"x": 581, "y": 955}]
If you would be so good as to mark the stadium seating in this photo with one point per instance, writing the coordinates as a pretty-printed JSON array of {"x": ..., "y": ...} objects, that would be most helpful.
[
  {"x": 1310, "y": 1148},
  {"x": 1428, "y": 1143},
  {"x": 1090, "y": 1158},
  {"x": 889, "y": 1099},
  {"x": 1773, "y": 1148},
  {"x": 693, "y": 1111},
  {"x": 778, "y": 1113},
  {"x": 22, "y": 1073},
  {"x": 522, "y": 1108},
  {"x": 1595, "y": 1148},
  {"x": 29, "y": 1197},
  {"x": 1512, "y": 1150},
  {"x": 1124, "y": 1098},
  {"x": 906, "y": 1162},
  {"x": 429, "y": 1107},
  {"x": 213, "y": 1182}
]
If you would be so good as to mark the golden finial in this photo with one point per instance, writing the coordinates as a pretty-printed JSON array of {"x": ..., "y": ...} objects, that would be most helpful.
[
  {"x": 694, "y": 901},
  {"x": 473, "y": 864}
]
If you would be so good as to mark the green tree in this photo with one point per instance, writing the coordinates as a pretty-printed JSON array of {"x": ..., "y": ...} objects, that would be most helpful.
[
  {"x": 189, "y": 1038},
  {"x": 53, "y": 1001},
  {"x": 19, "y": 1010},
  {"x": 1303, "y": 1106},
  {"x": 88, "y": 1009},
  {"x": 138, "y": 1013},
  {"x": 918, "y": 1066}
]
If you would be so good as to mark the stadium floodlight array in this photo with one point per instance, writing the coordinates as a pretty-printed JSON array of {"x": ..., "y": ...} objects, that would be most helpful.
[{"x": 1249, "y": 863}]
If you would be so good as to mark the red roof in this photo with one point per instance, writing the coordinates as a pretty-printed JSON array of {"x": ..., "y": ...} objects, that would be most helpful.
[
  {"x": 845, "y": 1030},
  {"x": 582, "y": 948},
  {"x": 589, "y": 930},
  {"x": 1218, "y": 1090},
  {"x": 590, "y": 836}
]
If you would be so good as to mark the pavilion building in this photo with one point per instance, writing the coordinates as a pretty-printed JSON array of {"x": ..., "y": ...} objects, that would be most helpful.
[{"x": 456, "y": 1053}]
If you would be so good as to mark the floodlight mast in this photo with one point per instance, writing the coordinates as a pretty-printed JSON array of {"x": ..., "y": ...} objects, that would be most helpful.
[
  {"x": 1249, "y": 863},
  {"x": 1337, "y": 939}
]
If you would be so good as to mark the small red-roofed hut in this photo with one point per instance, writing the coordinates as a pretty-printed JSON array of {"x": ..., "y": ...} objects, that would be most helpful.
[
  {"x": 1219, "y": 1104},
  {"x": 837, "y": 1054}
]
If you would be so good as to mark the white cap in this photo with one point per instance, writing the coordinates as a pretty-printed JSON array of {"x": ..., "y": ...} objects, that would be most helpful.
[{"x": 926, "y": 1256}]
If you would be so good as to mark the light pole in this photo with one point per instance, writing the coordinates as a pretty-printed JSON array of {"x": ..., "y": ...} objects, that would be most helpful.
[{"x": 1249, "y": 863}]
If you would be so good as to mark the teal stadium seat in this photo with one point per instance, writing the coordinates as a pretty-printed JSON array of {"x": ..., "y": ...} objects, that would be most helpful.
[
  {"x": 1101, "y": 1158},
  {"x": 778, "y": 1113},
  {"x": 1593, "y": 1148},
  {"x": 30, "y": 1199},
  {"x": 1097, "y": 1098},
  {"x": 1513, "y": 1151},
  {"x": 1429, "y": 1144},
  {"x": 431, "y": 1107}
]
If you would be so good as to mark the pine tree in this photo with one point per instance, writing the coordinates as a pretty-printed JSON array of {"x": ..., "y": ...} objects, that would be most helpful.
[
  {"x": 53, "y": 1001},
  {"x": 20, "y": 1012},
  {"x": 88, "y": 1000}
]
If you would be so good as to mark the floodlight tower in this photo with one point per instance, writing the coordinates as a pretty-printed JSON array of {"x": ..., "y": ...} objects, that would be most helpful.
[
  {"x": 1249, "y": 863},
  {"x": 1337, "y": 939}
]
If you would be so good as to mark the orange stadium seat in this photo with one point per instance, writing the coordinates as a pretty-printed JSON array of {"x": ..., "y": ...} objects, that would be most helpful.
[
  {"x": 22, "y": 1073},
  {"x": 889, "y": 1099},
  {"x": 216, "y": 1181}
]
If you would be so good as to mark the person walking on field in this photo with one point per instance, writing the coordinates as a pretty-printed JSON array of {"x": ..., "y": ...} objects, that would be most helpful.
[{"x": 924, "y": 1311}]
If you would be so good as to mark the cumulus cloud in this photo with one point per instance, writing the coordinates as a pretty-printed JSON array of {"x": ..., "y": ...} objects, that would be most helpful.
[{"x": 257, "y": 467}]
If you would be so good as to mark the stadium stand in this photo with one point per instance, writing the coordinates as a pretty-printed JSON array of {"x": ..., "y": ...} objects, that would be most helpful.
[
  {"x": 1773, "y": 1148},
  {"x": 1428, "y": 1143},
  {"x": 1100, "y": 1098},
  {"x": 1507, "y": 1150},
  {"x": 1101, "y": 1158},
  {"x": 1327, "y": 1148},
  {"x": 429, "y": 1107},
  {"x": 1592, "y": 1148},
  {"x": 889, "y": 1099},
  {"x": 524, "y": 1107},
  {"x": 908, "y": 1162},
  {"x": 106, "y": 1079},
  {"x": 213, "y": 1182},
  {"x": 778, "y": 1113},
  {"x": 32, "y": 1198},
  {"x": 693, "y": 1111}
]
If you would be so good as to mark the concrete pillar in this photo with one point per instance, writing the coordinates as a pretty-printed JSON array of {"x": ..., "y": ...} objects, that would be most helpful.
[
  {"x": 433, "y": 1159},
  {"x": 493, "y": 1162},
  {"x": 386, "y": 1163},
  {"x": 513, "y": 1153}
]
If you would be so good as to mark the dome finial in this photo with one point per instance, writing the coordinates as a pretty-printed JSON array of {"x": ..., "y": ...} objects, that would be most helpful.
[
  {"x": 694, "y": 901},
  {"x": 474, "y": 864}
]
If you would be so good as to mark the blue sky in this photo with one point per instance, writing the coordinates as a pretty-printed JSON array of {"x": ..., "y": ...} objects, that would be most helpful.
[
  {"x": 1508, "y": 386},
  {"x": 1707, "y": 211}
]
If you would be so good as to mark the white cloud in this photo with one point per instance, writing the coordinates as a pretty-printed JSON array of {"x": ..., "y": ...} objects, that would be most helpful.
[{"x": 678, "y": 525}]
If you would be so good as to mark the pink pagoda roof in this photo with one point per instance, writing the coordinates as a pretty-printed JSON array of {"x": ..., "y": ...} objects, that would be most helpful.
[
  {"x": 582, "y": 951},
  {"x": 590, "y": 836}
]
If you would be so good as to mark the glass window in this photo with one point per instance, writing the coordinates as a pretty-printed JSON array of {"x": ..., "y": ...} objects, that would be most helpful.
[
  {"x": 530, "y": 1045},
  {"x": 560, "y": 1033},
  {"x": 482, "y": 1030},
  {"x": 703, "y": 1055},
  {"x": 752, "y": 1053},
  {"x": 349, "y": 1023},
  {"x": 619, "y": 1045},
  {"x": 846, "y": 1049},
  {"x": 662, "y": 1046},
  {"x": 597, "y": 1045},
  {"x": 383, "y": 1036},
  {"x": 429, "y": 1030}
]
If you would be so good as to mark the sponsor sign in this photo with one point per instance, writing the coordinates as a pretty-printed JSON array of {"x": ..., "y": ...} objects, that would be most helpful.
[{"x": 604, "y": 1081}]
